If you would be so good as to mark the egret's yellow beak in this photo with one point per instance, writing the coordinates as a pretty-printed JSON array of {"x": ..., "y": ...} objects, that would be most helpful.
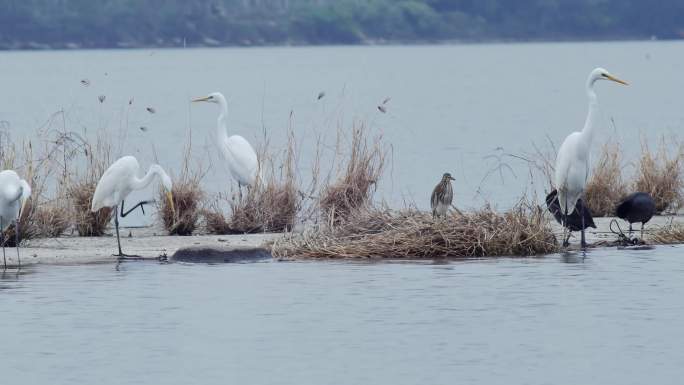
[
  {"x": 169, "y": 196},
  {"x": 613, "y": 78},
  {"x": 202, "y": 99}
]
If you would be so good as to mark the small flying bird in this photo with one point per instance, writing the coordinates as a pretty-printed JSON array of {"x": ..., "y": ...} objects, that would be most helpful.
[
  {"x": 14, "y": 192},
  {"x": 386, "y": 100},
  {"x": 442, "y": 196},
  {"x": 143, "y": 128},
  {"x": 320, "y": 95},
  {"x": 636, "y": 207},
  {"x": 85, "y": 82},
  {"x": 382, "y": 109},
  {"x": 151, "y": 110},
  {"x": 130, "y": 101},
  {"x": 572, "y": 222},
  {"x": 101, "y": 98}
]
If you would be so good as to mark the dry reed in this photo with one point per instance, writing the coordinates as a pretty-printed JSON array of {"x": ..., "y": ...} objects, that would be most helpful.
[
  {"x": 80, "y": 191},
  {"x": 606, "y": 186},
  {"x": 661, "y": 176},
  {"x": 353, "y": 189},
  {"x": 381, "y": 233},
  {"x": 672, "y": 233},
  {"x": 187, "y": 199}
]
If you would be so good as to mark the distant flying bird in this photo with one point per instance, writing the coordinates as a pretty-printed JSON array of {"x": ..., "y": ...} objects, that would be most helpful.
[
  {"x": 243, "y": 162},
  {"x": 636, "y": 207},
  {"x": 382, "y": 109},
  {"x": 14, "y": 192},
  {"x": 386, "y": 100},
  {"x": 320, "y": 95},
  {"x": 151, "y": 110},
  {"x": 572, "y": 222},
  {"x": 130, "y": 101},
  {"x": 118, "y": 181},
  {"x": 442, "y": 196},
  {"x": 85, "y": 82},
  {"x": 572, "y": 162},
  {"x": 143, "y": 128},
  {"x": 101, "y": 98}
]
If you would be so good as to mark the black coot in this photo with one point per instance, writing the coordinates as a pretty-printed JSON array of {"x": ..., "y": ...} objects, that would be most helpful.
[
  {"x": 636, "y": 207},
  {"x": 572, "y": 222}
]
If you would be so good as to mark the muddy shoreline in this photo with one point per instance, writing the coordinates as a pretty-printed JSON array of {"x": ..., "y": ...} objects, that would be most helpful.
[{"x": 150, "y": 245}]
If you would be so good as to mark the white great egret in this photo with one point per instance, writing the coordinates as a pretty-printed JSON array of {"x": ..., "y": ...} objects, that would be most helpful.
[
  {"x": 14, "y": 192},
  {"x": 118, "y": 181},
  {"x": 242, "y": 159},
  {"x": 572, "y": 162}
]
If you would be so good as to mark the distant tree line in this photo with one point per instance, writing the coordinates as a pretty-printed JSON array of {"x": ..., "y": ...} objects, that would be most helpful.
[{"x": 134, "y": 23}]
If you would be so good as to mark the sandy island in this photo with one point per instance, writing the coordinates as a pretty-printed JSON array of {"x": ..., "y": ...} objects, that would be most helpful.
[{"x": 146, "y": 243}]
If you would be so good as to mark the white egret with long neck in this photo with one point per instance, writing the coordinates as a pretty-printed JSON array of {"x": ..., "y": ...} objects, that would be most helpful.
[
  {"x": 572, "y": 162},
  {"x": 118, "y": 181},
  {"x": 242, "y": 159},
  {"x": 14, "y": 192}
]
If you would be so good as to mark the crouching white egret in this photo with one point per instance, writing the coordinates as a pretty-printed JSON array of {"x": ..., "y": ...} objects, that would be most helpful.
[
  {"x": 14, "y": 192},
  {"x": 118, "y": 181},
  {"x": 242, "y": 159},
  {"x": 572, "y": 162}
]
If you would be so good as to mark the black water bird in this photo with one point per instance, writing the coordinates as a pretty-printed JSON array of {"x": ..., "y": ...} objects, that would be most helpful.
[
  {"x": 572, "y": 222},
  {"x": 636, "y": 207},
  {"x": 442, "y": 196}
]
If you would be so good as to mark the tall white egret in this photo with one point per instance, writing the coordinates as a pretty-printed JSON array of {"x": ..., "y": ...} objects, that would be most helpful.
[
  {"x": 242, "y": 159},
  {"x": 14, "y": 192},
  {"x": 119, "y": 180},
  {"x": 572, "y": 162}
]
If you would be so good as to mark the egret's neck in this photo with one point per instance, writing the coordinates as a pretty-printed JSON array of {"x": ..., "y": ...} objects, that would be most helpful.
[
  {"x": 588, "y": 130},
  {"x": 221, "y": 126},
  {"x": 141, "y": 183}
]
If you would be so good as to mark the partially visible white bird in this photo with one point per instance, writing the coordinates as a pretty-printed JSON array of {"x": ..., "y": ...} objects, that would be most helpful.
[
  {"x": 118, "y": 181},
  {"x": 14, "y": 192},
  {"x": 242, "y": 159},
  {"x": 572, "y": 162}
]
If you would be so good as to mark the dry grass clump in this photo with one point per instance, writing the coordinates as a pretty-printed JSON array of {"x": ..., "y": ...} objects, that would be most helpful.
[
  {"x": 383, "y": 233},
  {"x": 80, "y": 191},
  {"x": 606, "y": 186},
  {"x": 661, "y": 176},
  {"x": 86, "y": 222},
  {"x": 672, "y": 233},
  {"x": 353, "y": 189},
  {"x": 187, "y": 198}
]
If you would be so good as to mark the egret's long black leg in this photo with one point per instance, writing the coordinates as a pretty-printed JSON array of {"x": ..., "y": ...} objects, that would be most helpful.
[
  {"x": 583, "y": 241},
  {"x": 564, "y": 221},
  {"x": 642, "y": 231},
  {"x": 240, "y": 192},
  {"x": 140, "y": 204},
  {"x": 116, "y": 223},
  {"x": 16, "y": 239},
  {"x": 630, "y": 231},
  {"x": 2, "y": 239}
]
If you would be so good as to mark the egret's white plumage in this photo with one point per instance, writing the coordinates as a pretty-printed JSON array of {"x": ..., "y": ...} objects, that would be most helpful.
[
  {"x": 120, "y": 179},
  {"x": 572, "y": 162},
  {"x": 14, "y": 192},
  {"x": 242, "y": 159}
]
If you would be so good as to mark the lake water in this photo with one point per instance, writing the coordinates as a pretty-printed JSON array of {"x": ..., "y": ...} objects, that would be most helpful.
[
  {"x": 613, "y": 317},
  {"x": 451, "y": 105}
]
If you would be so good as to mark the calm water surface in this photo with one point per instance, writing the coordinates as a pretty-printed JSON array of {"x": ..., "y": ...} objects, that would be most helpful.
[
  {"x": 613, "y": 317},
  {"x": 451, "y": 106},
  {"x": 610, "y": 318}
]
